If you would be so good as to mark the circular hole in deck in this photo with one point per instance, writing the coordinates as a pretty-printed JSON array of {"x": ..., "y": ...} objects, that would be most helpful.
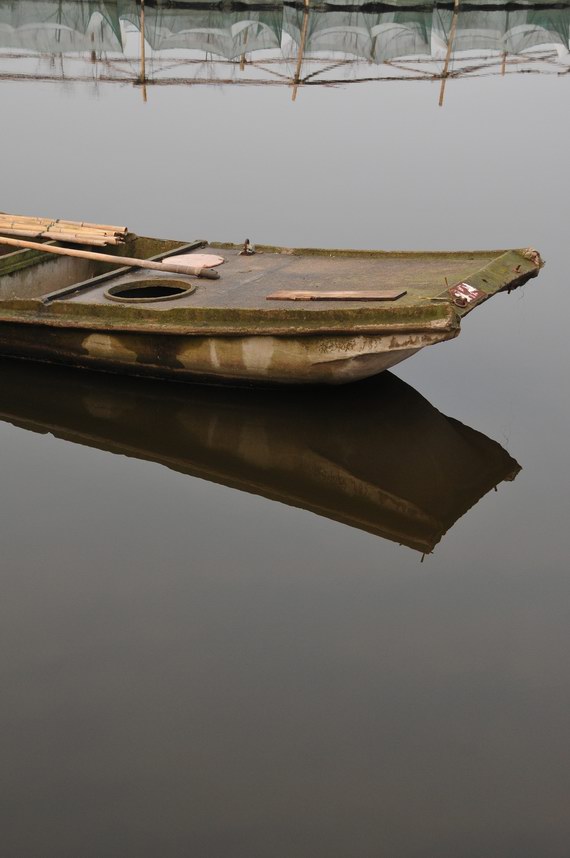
[{"x": 157, "y": 289}]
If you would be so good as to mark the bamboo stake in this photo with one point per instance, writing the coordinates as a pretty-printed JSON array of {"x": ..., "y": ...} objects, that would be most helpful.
[
  {"x": 143, "y": 54},
  {"x": 448, "y": 54},
  {"x": 128, "y": 261},
  {"x": 242, "y": 57},
  {"x": 301, "y": 51}
]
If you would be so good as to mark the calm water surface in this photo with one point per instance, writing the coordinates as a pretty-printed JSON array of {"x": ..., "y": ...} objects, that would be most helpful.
[{"x": 191, "y": 669}]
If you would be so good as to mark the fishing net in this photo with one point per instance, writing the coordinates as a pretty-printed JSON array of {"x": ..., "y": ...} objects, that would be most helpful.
[
  {"x": 68, "y": 26},
  {"x": 227, "y": 33},
  {"x": 59, "y": 27},
  {"x": 511, "y": 31}
]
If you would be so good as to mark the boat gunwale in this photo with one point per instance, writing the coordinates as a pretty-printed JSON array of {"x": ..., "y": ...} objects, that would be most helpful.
[
  {"x": 364, "y": 253},
  {"x": 246, "y": 322}
]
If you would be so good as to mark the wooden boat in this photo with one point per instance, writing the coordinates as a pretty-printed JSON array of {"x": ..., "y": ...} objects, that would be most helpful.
[
  {"x": 361, "y": 311},
  {"x": 374, "y": 455}
]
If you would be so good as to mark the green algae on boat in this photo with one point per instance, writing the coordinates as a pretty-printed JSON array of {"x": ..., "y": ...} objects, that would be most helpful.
[{"x": 235, "y": 330}]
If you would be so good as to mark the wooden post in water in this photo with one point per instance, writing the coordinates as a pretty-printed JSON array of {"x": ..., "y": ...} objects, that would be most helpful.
[
  {"x": 452, "y": 30},
  {"x": 143, "y": 54},
  {"x": 242, "y": 56},
  {"x": 505, "y": 45},
  {"x": 304, "y": 30}
]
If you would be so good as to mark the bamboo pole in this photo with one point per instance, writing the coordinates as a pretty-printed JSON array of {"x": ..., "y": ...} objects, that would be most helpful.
[
  {"x": 449, "y": 49},
  {"x": 128, "y": 261},
  {"x": 297, "y": 78},
  {"x": 75, "y": 238},
  {"x": 59, "y": 227},
  {"x": 62, "y": 230},
  {"x": 242, "y": 57},
  {"x": 122, "y": 230},
  {"x": 143, "y": 54},
  {"x": 82, "y": 223},
  {"x": 81, "y": 237}
]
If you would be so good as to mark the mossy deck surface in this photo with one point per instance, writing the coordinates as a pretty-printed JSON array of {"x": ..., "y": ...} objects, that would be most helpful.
[{"x": 246, "y": 281}]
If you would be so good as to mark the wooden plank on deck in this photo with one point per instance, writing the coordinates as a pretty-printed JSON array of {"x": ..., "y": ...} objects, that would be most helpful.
[{"x": 369, "y": 295}]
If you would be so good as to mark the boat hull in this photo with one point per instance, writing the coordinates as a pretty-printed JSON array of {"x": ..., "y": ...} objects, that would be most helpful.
[{"x": 263, "y": 360}]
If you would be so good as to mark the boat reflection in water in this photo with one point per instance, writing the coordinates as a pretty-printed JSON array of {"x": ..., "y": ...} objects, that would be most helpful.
[
  {"x": 296, "y": 45},
  {"x": 374, "y": 455}
]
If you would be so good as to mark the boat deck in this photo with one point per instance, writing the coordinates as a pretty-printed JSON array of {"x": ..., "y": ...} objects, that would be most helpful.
[
  {"x": 246, "y": 281},
  {"x": 40, "y": 288}
]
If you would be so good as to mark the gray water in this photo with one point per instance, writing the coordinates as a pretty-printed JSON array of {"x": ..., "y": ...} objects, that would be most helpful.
[{"x": 187, "y": 669}]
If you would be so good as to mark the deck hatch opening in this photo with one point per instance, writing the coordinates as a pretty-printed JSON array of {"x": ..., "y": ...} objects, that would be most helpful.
[{"x": 155, "y": 289}]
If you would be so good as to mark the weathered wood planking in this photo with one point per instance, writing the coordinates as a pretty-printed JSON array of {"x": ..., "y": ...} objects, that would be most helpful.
[{"x": 368, "y": 295}]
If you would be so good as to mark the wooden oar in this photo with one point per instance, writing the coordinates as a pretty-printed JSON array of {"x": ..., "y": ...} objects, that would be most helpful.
[{"x": 129, "y": 261}]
